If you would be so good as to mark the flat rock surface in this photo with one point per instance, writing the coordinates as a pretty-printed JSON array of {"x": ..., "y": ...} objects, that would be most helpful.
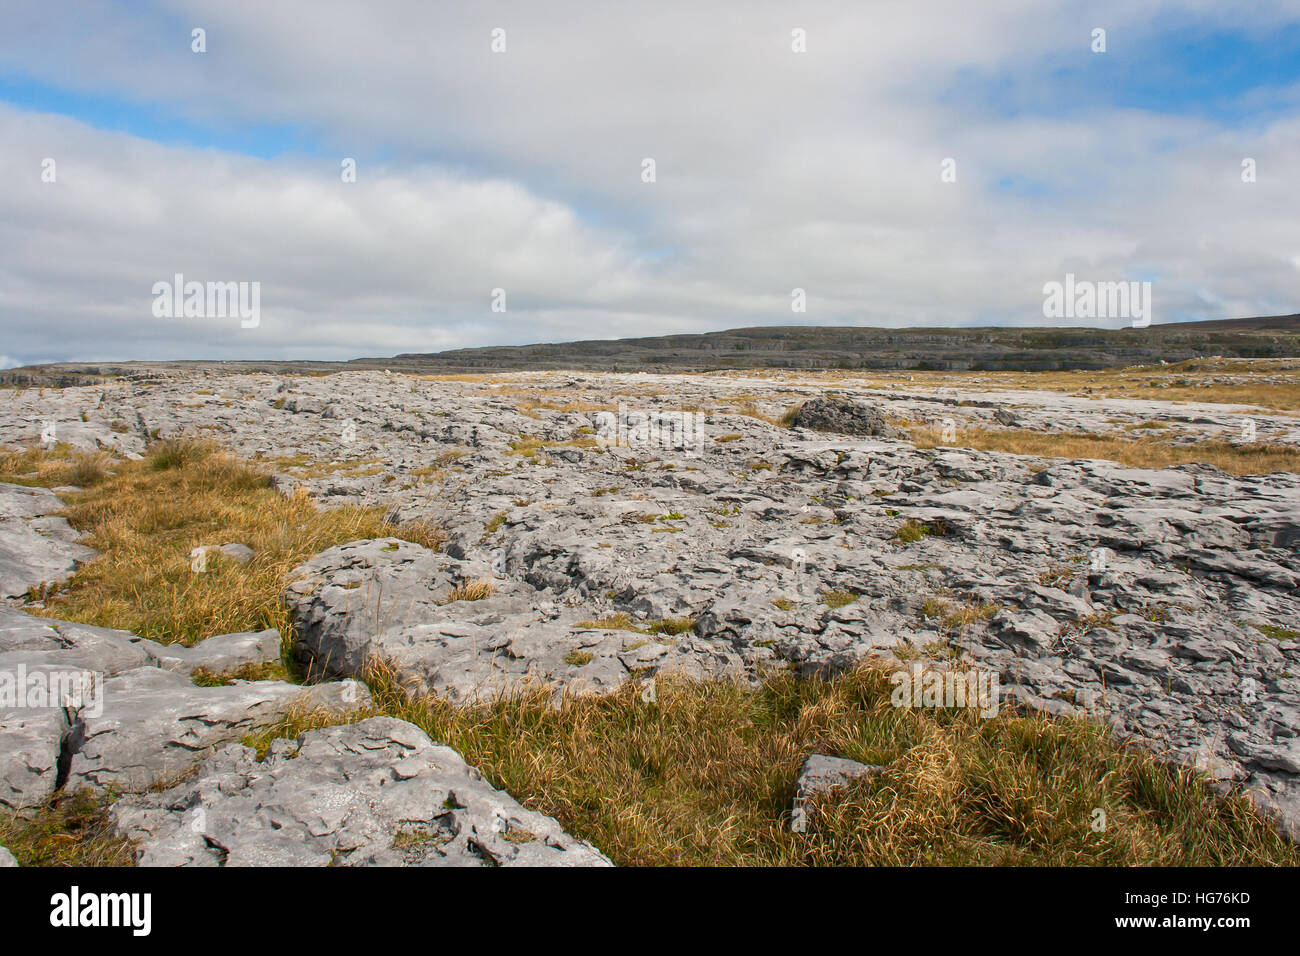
[
  {"x": 1163, "y": 601},
  {"x": 374, "y": 793},
  {"x": 121, "y": 712},
  {"x": 155, "y": 725},
  {"x": 31, "y": 746},
  {"x": 35, "y": 546}
]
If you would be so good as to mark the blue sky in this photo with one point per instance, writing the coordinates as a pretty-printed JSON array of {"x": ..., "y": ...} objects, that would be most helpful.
[
  {"x": 522, "y": 170},
  {"x": 157, "y": 120}
]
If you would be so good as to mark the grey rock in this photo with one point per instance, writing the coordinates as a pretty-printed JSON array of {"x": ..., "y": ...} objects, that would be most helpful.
[
  {"x": 36, "y": 548},
  {"x": 125, "y": 713},
  {"x": 32, "y": 741},
  {"x": 374, "y": 793},
  {"x": 6, "y": 858},
  {"x": 156, "y": 724},
  {"x": 844, "y": 417},
  {"x": 821, "y": 775},
  {"x": 37, "y": 640},
  {"x": 220, "y": 654}
]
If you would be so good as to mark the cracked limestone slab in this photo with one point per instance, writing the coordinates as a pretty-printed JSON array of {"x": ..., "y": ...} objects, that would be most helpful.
[
  {"x": 31, "y": 747},
  {"x": 35, "y": 546},
  {"x": 156, "y": 724},
  {"x": 375, "y": 793}
]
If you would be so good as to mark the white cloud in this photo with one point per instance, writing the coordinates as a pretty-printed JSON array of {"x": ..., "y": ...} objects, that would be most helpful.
[{"x": 522, "y": 171}]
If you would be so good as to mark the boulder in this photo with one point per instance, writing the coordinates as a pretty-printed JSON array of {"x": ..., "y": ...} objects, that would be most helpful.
[
  {"x": 821, "y": 775},
  {"x": 844, "y": 417}
]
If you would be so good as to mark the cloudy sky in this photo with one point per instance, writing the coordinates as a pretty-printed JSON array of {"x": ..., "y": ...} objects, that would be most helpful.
[{"x": 524, "y": 169}]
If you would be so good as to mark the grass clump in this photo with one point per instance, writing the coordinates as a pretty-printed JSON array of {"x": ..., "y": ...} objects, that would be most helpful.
[
  {"x": 911, "y": 531},
  {"x": 52, "y": 467},
  {"x": 179, "y": 453},
  {"x": 612, "y": 622},
  {"x": 266, "y": 670},
  {"x": 956, "y": 617},
  {"x": 477, "y": 590},
  {"x": 672, "y": 625},
  {"x": 1276, "y": 633},
  {"x": 87, "y": 470},
  {"x": 838, "y": 599}
]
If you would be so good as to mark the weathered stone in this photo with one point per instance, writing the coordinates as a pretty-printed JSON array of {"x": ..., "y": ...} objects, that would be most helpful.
[
  {"x": 821, "y": 775},
  {"x": 69, "y": 644},
  {"x": 31, "y": 743},
  {"x": 239, "y": 553},
  {"x": 375, "y": 793},
  {"x": 120, "y": 711},
  {"x": 844, "y": 417},
  {"x": 36, "y": 548},
  {"x": 220, "y": 654},
  {"x": 156, "y": 724},
  {"x": 6, "y": 858}
]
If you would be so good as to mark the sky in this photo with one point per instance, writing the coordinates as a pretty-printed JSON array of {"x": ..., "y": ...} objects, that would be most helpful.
[{"x": 928, "y": 162}]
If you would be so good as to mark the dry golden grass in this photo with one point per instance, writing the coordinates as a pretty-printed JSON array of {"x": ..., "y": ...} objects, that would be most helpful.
[
  {"x": 1144, "y": 452},
  {"x": 529, "y": 404},
  {"x": 950, "y": 617},
  {"x": 74, "y": 830},
  {"x": 146, "y": 517},
  {"x": 471, "y": 591},
  {"x": 750, "y": 410},
  {"x": 705, "y": 775},
  {"x": 611, "y": 622},
  {"x": 51, "y": 468},
  {"x": 484, "y": 378},
  {"x": 302, "y": 466}
]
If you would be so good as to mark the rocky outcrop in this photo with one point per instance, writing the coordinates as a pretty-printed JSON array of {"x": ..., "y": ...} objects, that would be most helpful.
[
  {"x": 1163, "y": 601},
  {"x": 375, "y": 793},
  {"x": 85, "y": 707},
  {"x": 36, "y": 547},
  {"x": 386, "y": 600}
]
